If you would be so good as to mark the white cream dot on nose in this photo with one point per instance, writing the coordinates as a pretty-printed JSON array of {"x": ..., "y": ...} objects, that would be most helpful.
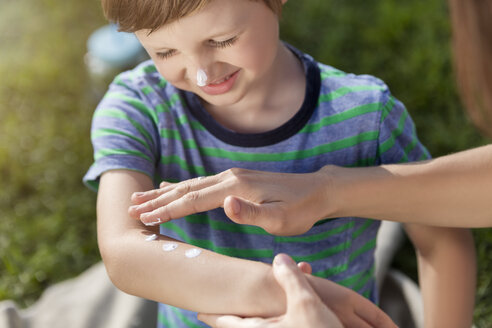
[{"x": 201, "y": 78}]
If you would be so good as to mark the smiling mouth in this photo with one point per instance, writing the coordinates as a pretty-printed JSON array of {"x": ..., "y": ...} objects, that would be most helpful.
[{"x": 222, "y": 80}]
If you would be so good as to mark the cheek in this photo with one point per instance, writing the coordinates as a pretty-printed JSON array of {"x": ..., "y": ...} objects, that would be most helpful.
[
  {"x": 258, "y": 53},
  {"x": 172, "y": 73}
]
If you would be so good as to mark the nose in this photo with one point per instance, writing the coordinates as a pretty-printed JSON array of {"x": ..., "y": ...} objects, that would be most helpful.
[{"x": 199, "y": 68}]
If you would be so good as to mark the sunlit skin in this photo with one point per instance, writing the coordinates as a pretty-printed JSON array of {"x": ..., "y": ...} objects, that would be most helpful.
[{"x": 259, "y": 78}]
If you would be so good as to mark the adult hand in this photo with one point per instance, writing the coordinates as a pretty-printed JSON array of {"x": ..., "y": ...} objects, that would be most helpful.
[
  {"x": 273, "y": 201},
  {"x": 304, "y": 307}
]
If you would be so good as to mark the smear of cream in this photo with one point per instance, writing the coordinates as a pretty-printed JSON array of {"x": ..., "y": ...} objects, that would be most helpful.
[
  {"x": 192, "y": 252},
  {"x": 167, "y": 247},
  {"x": 201, "y": 78},
  {"x": 151, "y": 237}
]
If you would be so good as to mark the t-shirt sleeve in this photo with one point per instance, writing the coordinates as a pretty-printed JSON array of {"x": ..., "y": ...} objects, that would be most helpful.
[
  {"x": 398, "y": 141},
  {"x": 124, "y": 133}
]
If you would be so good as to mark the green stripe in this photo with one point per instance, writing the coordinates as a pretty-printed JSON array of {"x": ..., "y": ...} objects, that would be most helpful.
[
  {"x": 387, "y": 108},
  {"x": 371, "y": 244},
  {"x": 363, "y": 162},
  {"x": 165, "y": 106},
  {"x": 362, "y": 228},
  {"x": 111, "y": 152},
  {"x": 175, "y": 159},
  {"x": 135, "y": 103},
  {"x": 331, "y": 271},
  {"x": 163, "y": 320},
  {"x": 205, "y": 243},
  {"x": 170, "y": 134},
  {"x": 364, "y": 279},
  {"x": 147, "y": 89},
  {"x": 267, "y": 157},
  {"x": 119, "y": 81},
  {"x": 337, "y": 118},
  {"x": 346, "y": 90},
  {"x": 119, "y": 114},
  {"x": 316, "y": 237},
  {"x": 195, "y": 125},
  {"x": 162, "y": 83},
  {"x": 389, "y": 143},
  {"x": 324, "y": 253},
  {"x": 355, "y": 280},
  {"x": 225, "y": 226},
  {"x": 325, "y": 74},
  {"x": 109, "y": 132},
  {"x": 293, "y": 155},
  {"x": 408, "y": 149},
  {"x": 184, "y": 319}
]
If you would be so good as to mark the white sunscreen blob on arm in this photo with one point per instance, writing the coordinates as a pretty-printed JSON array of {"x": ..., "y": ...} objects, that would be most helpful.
[
  {"x": 167, "y": 247},
  {"x": 192, "y": 252},
  {"x": 151, "y": 237},
  {"x": 201, "y": 78}
]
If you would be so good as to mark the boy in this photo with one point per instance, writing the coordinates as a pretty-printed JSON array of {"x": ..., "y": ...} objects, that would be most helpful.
[{"x": 223, "y": 91}]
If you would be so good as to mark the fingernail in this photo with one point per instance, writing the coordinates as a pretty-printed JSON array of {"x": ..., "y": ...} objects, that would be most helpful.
[
  {"x": 138, "y": 194},
  {"x": 153, "y": 223},
  {"x": 282, "y": 259},
  {"x": 235, "y": 206}
]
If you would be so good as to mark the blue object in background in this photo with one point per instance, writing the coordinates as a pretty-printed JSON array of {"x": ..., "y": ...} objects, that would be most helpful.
[{"x": 110, "y": 51}]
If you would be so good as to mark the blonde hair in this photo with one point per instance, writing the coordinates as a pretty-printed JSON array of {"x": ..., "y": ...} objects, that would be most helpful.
[
  {"x": 134, "y": 15},
  {"x": 472, "y": 43}
]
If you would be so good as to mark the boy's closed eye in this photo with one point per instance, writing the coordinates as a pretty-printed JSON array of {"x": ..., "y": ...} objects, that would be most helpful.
[{"x": 216, "y": 44}]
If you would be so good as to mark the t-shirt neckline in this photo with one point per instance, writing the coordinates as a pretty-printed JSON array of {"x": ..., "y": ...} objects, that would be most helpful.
[{"x": 267, "y": 138}]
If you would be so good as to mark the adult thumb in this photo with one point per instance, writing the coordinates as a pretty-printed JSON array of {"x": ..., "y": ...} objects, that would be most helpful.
[
  {"x": 241, "y": 210},
  {"x": 290, "y": 277}
]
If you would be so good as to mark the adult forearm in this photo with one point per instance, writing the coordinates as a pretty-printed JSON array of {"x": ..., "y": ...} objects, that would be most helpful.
[
  {"x": 447, "y": 276},
  {"x": 452, "y": 190}
]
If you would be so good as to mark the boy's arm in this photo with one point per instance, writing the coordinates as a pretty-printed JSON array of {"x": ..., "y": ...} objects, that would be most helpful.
[
  {"x": 447, "y": 274},
  {"x": 208, "y": 283}
]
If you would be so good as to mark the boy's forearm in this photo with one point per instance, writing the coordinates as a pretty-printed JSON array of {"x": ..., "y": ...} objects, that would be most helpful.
[
  {"x": 447, "y": 277},
  {"x": 209, "y": 283},
  {"x": 441, "y": 192}
]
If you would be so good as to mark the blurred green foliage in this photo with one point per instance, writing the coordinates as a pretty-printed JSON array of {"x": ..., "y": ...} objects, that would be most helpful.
[{"x": 47, "y": 226}]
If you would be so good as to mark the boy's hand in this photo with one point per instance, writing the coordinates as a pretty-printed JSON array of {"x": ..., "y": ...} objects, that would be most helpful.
[
  {"x": 304, "y": 306},
  {"x": 274, "y": 201}
]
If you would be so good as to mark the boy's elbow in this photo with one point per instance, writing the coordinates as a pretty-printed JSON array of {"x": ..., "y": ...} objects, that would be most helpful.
[{"x": 115, "y": 262}]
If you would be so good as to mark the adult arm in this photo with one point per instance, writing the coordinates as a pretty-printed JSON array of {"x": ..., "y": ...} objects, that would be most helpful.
[
  {"x": 245, "y": 288},
  {"x": 453, "y": 190},
  {"x": 447, "y": 274},
  {"x": 304, "y": 307}
]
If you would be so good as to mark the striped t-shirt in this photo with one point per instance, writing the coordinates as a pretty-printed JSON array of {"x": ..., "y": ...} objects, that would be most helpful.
[{"x": 145, "y": 124}]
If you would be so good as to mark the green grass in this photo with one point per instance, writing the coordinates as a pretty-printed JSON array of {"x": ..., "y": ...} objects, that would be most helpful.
[{"x": 47, "y": 226}]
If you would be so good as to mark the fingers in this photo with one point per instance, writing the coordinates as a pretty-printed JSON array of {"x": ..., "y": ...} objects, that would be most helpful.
[
  {"x": 292, "y": 279},
  {"x": 374, "y": 316},
  {"x": 231, "y": 321},
  {"x": 305, "y": 267},
  {"x": 148, "y": 202},
  {"x": 177, "y": 204}
]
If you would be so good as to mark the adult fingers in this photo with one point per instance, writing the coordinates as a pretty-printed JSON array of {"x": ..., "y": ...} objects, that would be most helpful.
[
  {"x": 231, "y": 321},
  {"x": 305, "y": 267},
  {"x": 292, "y": 280},
  {"x": 177, "y": 204},
  {"x": 374, "y": 316}
]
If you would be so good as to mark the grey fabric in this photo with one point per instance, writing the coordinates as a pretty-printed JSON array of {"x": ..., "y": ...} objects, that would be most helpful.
[{"x": 87, "y": 301}]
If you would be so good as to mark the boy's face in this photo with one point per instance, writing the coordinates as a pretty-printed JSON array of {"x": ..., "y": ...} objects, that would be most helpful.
[{"x": 234, "y": 42}]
